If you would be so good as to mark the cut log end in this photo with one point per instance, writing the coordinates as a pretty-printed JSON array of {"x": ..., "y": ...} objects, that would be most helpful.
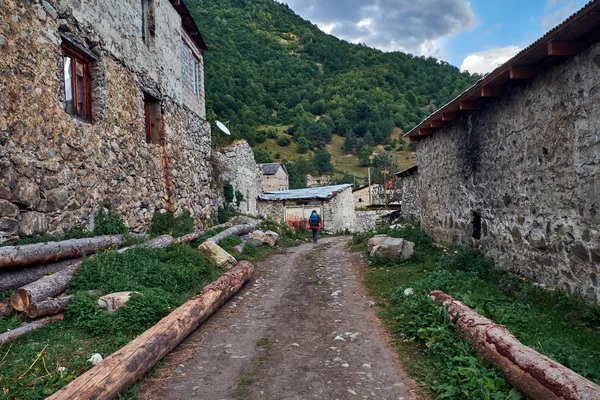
[{"x": 20, "y": 299}]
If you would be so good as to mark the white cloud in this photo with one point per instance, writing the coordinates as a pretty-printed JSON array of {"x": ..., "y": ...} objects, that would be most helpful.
[
  {"x": 486, "y": 61},
  {"x": 556, "y": 11}
]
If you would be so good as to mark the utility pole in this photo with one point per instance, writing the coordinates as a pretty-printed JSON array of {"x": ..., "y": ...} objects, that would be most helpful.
[{"x": 370, "y": 198}]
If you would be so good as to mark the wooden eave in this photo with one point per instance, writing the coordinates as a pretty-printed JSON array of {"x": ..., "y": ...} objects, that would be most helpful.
[
  {"x": 188, "y": 23},
  {"x": 568, "y": 39}
]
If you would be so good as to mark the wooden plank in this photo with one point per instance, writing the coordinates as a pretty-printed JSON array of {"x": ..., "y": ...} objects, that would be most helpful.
[
  {"x": 414, "y": 139},
  {"x": 426, "y": 131},
  {"x": 566, "y": 48},
  {"x": 469, "y": 105},
  {"x": 438, "y": 123},
  {"x": 450, "y": 116},
  {"x": 492, "y": 91},
  {"x": 523, "y": 72}
]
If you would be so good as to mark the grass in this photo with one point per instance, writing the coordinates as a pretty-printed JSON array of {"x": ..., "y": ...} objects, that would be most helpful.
[
  {"x": 58, "y": 353},
  {"x": 564, "y": 328}
]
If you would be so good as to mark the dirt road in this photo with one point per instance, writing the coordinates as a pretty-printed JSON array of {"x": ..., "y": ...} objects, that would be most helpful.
[{"x": 302, "y": 329}]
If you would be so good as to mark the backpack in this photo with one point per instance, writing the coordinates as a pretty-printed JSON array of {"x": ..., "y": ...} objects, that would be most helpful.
[{"x": 314, "y": 221}]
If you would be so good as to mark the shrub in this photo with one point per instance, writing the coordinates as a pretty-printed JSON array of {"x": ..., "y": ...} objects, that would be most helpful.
[
  {"x": 250, "y": 249},
  {"x": 169, "y": 224},
  {"x": 271, "y": 133},
  {"x": 283, "y": 141},
  {"x": 223, "y": 214},
  {"x": 228, "y": 192},
  {"x": 239, "y": 197},
  {"x": 388, "y": 148},
  {"x": 109, "y": 222}
]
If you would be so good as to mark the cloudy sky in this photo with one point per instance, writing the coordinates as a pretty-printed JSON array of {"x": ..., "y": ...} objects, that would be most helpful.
[{"x": 475, "y": 35}]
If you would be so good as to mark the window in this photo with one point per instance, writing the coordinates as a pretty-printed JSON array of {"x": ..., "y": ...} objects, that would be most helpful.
[
  {"x": 152, "y": 118},
  {"x": 147, "y": 21},
  {"x": 190, "y": 69},
  {"x": 78, "y": 87},
  {"x": 196, "y": 73}
]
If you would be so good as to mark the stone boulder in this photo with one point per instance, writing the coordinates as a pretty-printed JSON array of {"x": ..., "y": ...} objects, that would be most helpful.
[
  {"x": 269, "y": 237},
  {"x": 112, "y": 302},
  {"x": 9, "y": 227},
  {"x": 33, "y": 222},
  {"x": 216, "y": 255},
  {"x": 8, "y": 209},
  {"x": 389, "y": 247}
]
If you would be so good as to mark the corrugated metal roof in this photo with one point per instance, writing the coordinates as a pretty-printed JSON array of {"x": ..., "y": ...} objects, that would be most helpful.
[
  {"x": 316, "y": 193},
  {"x": 577, "y": 25}
]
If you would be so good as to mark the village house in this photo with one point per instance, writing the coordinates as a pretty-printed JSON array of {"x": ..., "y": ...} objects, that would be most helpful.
[
  {"x": 316, "y": 181},
  {"x": 405, "y": 186},
  {"x": 101, "y": 102},
  {"x": 513, "y": 163},
  {"x": 275, "y": 177}
]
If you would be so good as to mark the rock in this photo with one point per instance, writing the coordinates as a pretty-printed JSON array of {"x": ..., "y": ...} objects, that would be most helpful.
[
  {"x": 8, "y": 209},
  {"x": 57, "y": 199},
  {"x": 240, "y": 248},
  {"x": 273, "y": 237},
  {"x": 269, "y": 237},
  {"x": 216, "y": 255},
  {"x": 338, "y": 338},
  {"x": 112, "y": 302},
  {"x": 49, "y": 9},
  {"x": 26, "y": 193},
  {"x": 408, "y": 292},
  {"x": 9, "y": 227},
  {"x": 95, "y": 359},
  {"x": 392, "y": 248},
  {"x": 33, "y": 222}
]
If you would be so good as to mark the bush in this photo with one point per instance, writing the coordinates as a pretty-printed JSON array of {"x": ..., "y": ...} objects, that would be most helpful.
[
  {"x": 283, "y": 141},
  {"x": 169, "y": 224},
  {"x": 223, "y": 214},
  {"x": 271, "y": 133},
  {"x": 230, "y": 242},
  {"x": 228, "y": 192},
  {"x": 261, "y": 137},
  {"x": 109, "y": 222},
  {"x": 239, "y": 197},
  {"x": 388, "y": 148}
]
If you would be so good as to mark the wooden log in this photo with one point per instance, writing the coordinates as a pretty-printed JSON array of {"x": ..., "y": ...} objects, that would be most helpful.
[
  {"x": 190, "y": 237},
  {"x": 234, "y": 230},
  {"x": 25, "y": 328},
  {"x": 158, "y": 242},
  {"x": 29, "y": 254},
  {"x": 532, "y": 373},
  {"x": 6, "y": 310},
  {"x": 16, "y": 278},
  {"x": 49, "y": 306},
  {"x": 124, "y": 367},
  {"x": 40, "y": 290}
]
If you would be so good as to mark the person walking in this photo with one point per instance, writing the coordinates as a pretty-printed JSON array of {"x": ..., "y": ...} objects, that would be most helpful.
[{"x": 315, "y": 223}]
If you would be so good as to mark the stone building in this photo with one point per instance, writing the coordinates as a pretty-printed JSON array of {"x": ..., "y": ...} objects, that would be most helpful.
[
  {"x": 335, "y": 205},
  {"x": 101, "y": 102},
  {"x": 513, "y": 163},
  {"x": 237, "y": 166},
  {"x": 365, "y": 196},
  {"x": 275, "y": 177},
  {"x": 316, "y": 181},
  {"x": 407, "y": 185}
]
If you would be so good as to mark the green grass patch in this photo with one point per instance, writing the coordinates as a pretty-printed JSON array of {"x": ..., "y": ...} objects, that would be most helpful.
[
  {"x": 163, "y": 278},
  {"x": 564, "y": 328}
]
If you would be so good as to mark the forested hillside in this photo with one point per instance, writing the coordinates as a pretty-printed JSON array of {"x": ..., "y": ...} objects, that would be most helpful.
[{"x": 266, "y": 66}]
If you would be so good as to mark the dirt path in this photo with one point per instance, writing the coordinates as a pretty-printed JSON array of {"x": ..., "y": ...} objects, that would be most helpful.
[{"x": 302, "y": 329}]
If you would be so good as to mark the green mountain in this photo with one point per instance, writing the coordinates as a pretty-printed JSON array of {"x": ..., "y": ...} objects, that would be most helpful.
[{"x": 266, "y": 66}]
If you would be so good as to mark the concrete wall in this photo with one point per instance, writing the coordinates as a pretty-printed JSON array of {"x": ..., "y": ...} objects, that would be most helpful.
[
  {"x": 239, "y": 168},
  {"x": 277, "y": 182},
  {"x": 528, "y": 166},
  {"x": 55, "y": 170}
]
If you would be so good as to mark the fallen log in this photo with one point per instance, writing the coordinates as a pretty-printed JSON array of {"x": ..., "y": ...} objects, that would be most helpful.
[
  {"x": 19, "y": 277},
  {"x": 25, "y": 328},
  {"x": 49, "y": 306},
  {"x": 6, "y": 310},
  {"x": 48, "y": 286},
  {"x": 532, "y": 373},
  {"x": 158, "y": 242},
  {"x": 124, "y": 367},
  {"x": 238, "y": 230},
  {"x": 190, "y": 237},
  {"x": 38, "y": 253}
]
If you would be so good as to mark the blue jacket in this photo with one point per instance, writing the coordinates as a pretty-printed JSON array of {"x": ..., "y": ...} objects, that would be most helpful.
[{"x": 314, "y": 221}]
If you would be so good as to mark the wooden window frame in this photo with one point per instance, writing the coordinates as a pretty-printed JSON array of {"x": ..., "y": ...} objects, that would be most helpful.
[
  {"x": 152, "y": 118},
  {"x": 80, "y": 57}
]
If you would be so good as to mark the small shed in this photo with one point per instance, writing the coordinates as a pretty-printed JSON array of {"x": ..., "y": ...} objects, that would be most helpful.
[
  {"x": 335, "y": 205},
  {"x": 275, "y": 177}
]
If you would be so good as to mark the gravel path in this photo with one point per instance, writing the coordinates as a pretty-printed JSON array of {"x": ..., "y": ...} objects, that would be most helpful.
[{"x": 302, "y": 329}]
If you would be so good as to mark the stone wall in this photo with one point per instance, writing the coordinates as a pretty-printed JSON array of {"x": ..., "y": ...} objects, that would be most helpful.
[
  {"x": 408, "y": 187},
  {"x": 365, "y": 221},
  {"x": 239, "y": 168},
  {"x": 55, "y": 170},
  {"x": 338, "y": 212},
  {"x": 521, "y": 177},
  {"x": 274, "y": 210}
]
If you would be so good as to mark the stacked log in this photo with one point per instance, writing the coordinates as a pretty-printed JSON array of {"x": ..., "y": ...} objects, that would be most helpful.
[
  {"x": 48, "y": 286},
  {"x": 124, "y": 367},
  {"x": 25, "y": 328},
  {"x": 238, "y": 230},
  {"x": 532, "y": 373}
]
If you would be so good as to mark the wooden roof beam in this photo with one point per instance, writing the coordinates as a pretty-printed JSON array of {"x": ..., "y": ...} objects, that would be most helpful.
[
  {"x": 492, "y": 91},
  {"x": 566, "y": 48},
  {"x": 467, "y": 105},
  {"x": 522, "y": 72},
  {"x": 450, "y": 116},
  {"x": 426, "y": 131},
  {"x": 415, "y": 138},
  {"x": 436, "y": 123}
]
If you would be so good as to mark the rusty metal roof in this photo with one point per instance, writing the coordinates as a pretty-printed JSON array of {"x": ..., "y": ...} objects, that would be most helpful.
[
  {"x": 577, "y": 32},
  {"x": 316, "y": 193}
]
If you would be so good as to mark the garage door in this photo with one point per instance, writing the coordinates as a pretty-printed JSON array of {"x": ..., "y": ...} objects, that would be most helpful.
[{"x": 297, "y": 216}]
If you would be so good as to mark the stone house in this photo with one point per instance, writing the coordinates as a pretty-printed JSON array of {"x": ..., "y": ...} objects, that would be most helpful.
[
  {"x": 335, "y": 205},
  {"x": 101, "y": 102},
  {"x": 513, "y": 163},
  {"x": 406, "y": 186},
  {"x": 275, "y": 177},
  {"x": 316, "y": 181},
  {"x": 237, "y": 166},
  {"x": 365, "y": 196}
]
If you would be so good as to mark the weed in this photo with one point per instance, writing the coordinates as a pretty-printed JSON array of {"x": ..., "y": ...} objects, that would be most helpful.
[
  {"x": 229, "y": 242},
  {"x": 223, "y": 214},
  {"x": 109, "y": 222},
  {"x": 171, "y": 224}
]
